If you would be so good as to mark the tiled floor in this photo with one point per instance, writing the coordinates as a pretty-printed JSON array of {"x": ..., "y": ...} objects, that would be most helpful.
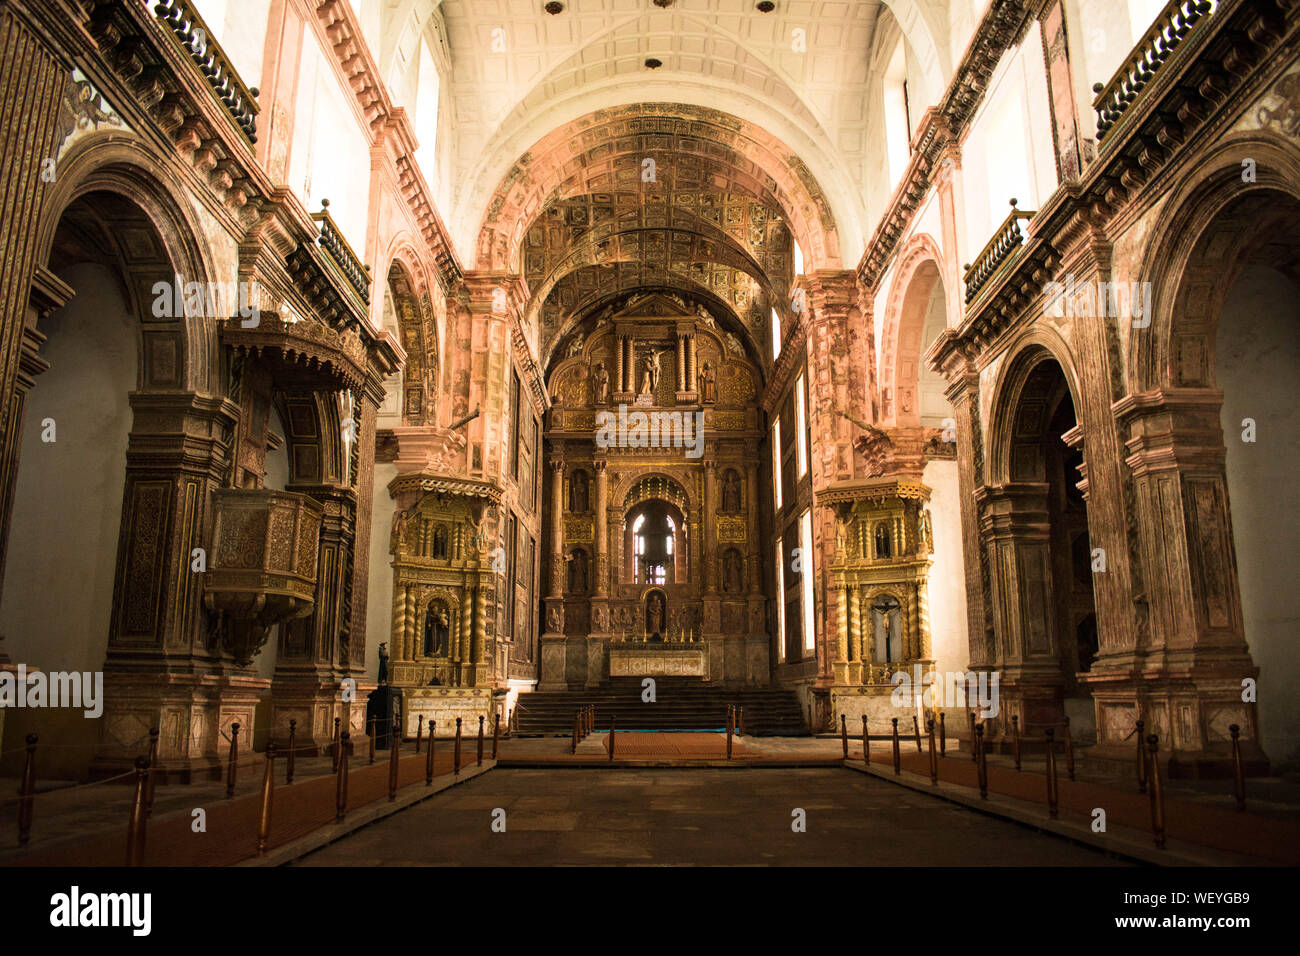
[{"x": 694, "y": 817}]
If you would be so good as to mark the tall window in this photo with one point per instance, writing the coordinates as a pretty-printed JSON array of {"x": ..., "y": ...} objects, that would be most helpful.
[
  {"x": 514, "y": 425},
  {"x": 426, "y": 113},
  {"x": 806, "y": 578},
  {"x": 898, "y": 132},
  {"x": 798, "y": 260},
  {"x": 801, "y": 423},
  {"x": 780, "y": 602},
  {"x": 776, "y": 335},
  {"x": 776, "y": 460}
]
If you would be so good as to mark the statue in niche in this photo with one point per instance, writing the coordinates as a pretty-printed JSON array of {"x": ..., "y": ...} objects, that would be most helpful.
[
  {"x": 730, "y": 491},
  {"x": 440, "y": 543},
  {"x": 654, "y": 614},
  {"x": 397, "y": 538},
  {"x": 708, "y": 383},
  {"x": 578, "y": 572},
  {"x": 883, "y": 549},
  {"x": 733, "y": 572},
  {"x": 437, "y": 626},
  {"x": 578, "y": 492},
  {"x": 600, "y": 384},
  {"x": 924, "y": 530},
  {"x": 650, "y": 382},
  {"x": 555, "y": 619}
]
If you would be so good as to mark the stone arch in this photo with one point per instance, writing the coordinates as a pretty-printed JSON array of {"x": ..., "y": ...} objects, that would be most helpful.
[
  {"x": 176, "y": 354},
  {"x": 408, "y": 290},
  {"x": 1212, "y": 227},
  {"x": 919, "y": 268},
  {"x": 741, "y": 149},
  {"x": 629, "y": 493},
  {"x": 1024, "y": 358}
]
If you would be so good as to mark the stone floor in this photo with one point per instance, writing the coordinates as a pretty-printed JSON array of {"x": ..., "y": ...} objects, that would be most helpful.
[{"x": 694, "y": 817}]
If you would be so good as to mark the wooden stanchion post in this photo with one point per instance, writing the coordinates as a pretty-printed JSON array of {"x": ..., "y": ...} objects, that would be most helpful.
[
  {"x": 234, "y": 759},
  {"x": 419, "y": 733},
  {"x": 151, "y": 783},
  {"x": 1069, "y": 750},
  {"x": 972, "y": 737},
  {"x": 943, "y": 736},
  {"x": 456, "y": 756},
  {"x": 428, "y": 760},
  {"x": 341, "y": 789},
  {"x": 981, "y": 765},
  {"x": 27, "y": 792},
  {"x": 866, "y": 741},
  {"x": 288, "y": 763},
  {"x": 1157, "y": 792},
  {"x": 372, "y": 738},
  {"x": 740, "y": 721},
  {"x": 731, "y": 719},
  {"x": 479, "y": 756},
  {"x": 1052, "y": 801},
  {"x": 135, "y": 829},
  {"x": 496, "y": 733},
  {"x": 1015, "y": 740},
  {"x": 1238, "y": 773},
  {"x": 1141, "y": 758},
  {"x": 335, "y": 748},
  {"x": 898, "y": 757},
  {"x": 844, "y": 734},
  {"x": 394, "y": 755},
  {"x": 916, "y": 732},
  {"x": 934, "y": 757},
  {"x": 268, "y": 787},
  {"x": 611, "y": 736},
  {"x": 573, "y": 747}
]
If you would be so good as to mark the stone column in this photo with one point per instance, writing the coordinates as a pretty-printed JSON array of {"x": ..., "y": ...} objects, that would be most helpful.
[
  {"x": 691, "y": 385},
  {"x": 1015, "y": 527},
  {"x": 31, "y": 96},
  {"x": 1185, "y": 676}
]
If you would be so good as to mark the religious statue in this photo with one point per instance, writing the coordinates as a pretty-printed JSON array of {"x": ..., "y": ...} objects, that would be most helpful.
[
  {"x": 578, "y": 492},
  {"x": 575, "y": 346},
  {"x": 554, "y": 619},
  {"x": 733, "y": 344},
  {"x": 654, "y": 613},
  {"x": 732, "y": 572},
  {"x": 397, "y": 537},
  {"x": 925, "y": 531},
  {"x": 440, "y": 543},
  {"x": 578, "y": 572},
  {"x": 600, "y": 384},
  {"x": 650, "y": 383},
  {"x": 436, "y": 628},
  {"x": 730, "y": 491},
  {"x": 708, "y": 383},
  {"x": 383, "y": 663}
]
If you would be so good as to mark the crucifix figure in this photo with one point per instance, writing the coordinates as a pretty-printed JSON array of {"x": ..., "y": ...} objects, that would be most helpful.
[{"x": 650, "y": 383}]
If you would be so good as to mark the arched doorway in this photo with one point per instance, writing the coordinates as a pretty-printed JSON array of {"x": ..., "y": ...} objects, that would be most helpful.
[{"x": 1034, "y": 521}]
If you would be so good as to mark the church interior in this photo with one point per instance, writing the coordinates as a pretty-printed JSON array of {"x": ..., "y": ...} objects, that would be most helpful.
[{"x": 647, "y": 383}]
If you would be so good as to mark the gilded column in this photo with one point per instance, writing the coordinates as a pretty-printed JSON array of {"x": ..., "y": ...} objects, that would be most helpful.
[
  {"x": 557, "y": 527},
  {"x": 601, "y": 532},
  {"x": 398, "y": 632},
  {"x": 681, "y": 362},
  {"x": 710, "y": 526},
  {"x": 408, "y": 625},
  {"x": 690, "y": 363},
  {"x": 852, "y": 597},
  {"x": 618, "y": 365},
  {"x": 480, "y": 635}
]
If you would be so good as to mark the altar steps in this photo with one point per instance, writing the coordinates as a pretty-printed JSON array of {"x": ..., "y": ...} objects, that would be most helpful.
[{"x": 681, "y": 704}]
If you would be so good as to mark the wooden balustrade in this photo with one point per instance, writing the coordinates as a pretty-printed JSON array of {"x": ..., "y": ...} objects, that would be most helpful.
[
  {"x": 199, "y": 43},
  {"x": 1007, "y": 238},
  {"x": 1170, "y": 28},
  {"x": 348, "y": 262}
]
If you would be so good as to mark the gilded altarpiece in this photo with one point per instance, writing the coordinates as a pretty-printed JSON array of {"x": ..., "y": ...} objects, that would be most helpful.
[{"x": 882, "y": 559}]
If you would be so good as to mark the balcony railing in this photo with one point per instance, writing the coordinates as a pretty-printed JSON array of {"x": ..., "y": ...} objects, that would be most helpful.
[
  {"x": 1005, "y": 241},
  {"x": 331, "y": 239},
  {"x": 1175, "y": 22},
  {"x": 194, "y": 37}
]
